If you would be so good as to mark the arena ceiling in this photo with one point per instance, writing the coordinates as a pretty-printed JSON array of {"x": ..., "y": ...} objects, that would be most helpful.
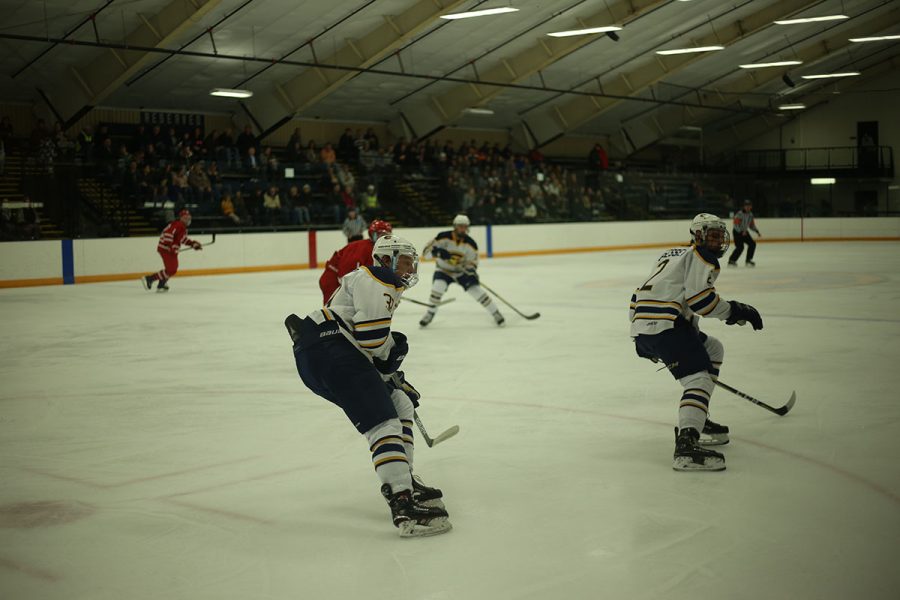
[{"x": 398, "y": 61}]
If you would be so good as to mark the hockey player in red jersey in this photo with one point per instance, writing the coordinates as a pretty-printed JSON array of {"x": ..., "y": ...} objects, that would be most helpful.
[
  {"x": 351, "y": 256},
  {"x": 173, "y": 237}
]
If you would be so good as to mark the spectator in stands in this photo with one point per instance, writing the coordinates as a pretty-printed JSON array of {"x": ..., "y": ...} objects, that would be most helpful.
[
  {"x": 130, "y": 186},
  {"x": 296, "y": 207},
  {"x": 295, "y": 153},
  {"x": 31, "y": 221},
  {"x": 226, "y": 151},
  {"x": 180, "y": 190},
  {"x": 315, "y": 206},
  {"x": 245, "y": 141},
  {"x": 372, "y": 139},
  {"x": 295, "y": 138},
  {"x": 252, "y": 164},
  {"x": 346, "y": 147},
  {"x": 530, "y": 212},
  {"x": 240, "y": 208},
  {"x": 272, "y": 205},
  {"x": 369, "y": 201},
  {"x": 105, "y": 156},
  {"x": 313, "y": 157},
  {"x": 335, "y": 203},
  {"x": 227, "y": 207},
  {"x": 270, "y": 162},
  {"x": 201, "y": 186},
  {"x": 211, "y": 145},
  {"x": 171, "y": 142},
  {"x": 327, "y": 155},
  {"x": 368, "y": 158},
  {"x": 255, "y": 206},
  {"x": 215, "y": 181},
  {"x": 354, "y": 225}
]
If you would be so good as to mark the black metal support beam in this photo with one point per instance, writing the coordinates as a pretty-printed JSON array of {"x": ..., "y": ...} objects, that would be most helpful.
[
  {"x": 89, "y": 19},
  {"x": 353, "y": 69}
]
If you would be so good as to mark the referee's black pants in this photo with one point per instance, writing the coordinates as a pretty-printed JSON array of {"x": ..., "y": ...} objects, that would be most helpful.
[{"x": 739, "y": 240}]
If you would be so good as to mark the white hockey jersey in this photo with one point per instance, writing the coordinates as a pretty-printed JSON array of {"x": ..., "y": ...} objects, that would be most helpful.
[
  {"x": 682, "y": 283},
  {"x": 363, "y": 306},
  {"x": 463, "y": 252}
]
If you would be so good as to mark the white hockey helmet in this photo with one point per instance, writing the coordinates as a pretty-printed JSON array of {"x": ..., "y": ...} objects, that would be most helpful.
[
  {"x": 461, "y": 220},
  {"x": 393, "y": 247},
  {"x": 709, "y": 231}
]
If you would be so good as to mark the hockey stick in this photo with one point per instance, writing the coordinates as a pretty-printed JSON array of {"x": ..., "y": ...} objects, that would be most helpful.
[
  {"x": 441, "y": 303},
  {"x": 209, "y": 243},
  {"x": 446, "y": 435},
  {"x": 778, "y": 411},
  {"x": 501, "y": 299}
]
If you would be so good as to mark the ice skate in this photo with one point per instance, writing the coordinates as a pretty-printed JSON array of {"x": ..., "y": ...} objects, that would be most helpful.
[
  {"x": 732, "y": 263},
  {"x": 147, "y": 282},
  {"x": 713, "y": 434},
  {"x": 426, "y": 496},
  {"x": 750, "y": 263},
  {"x": 689, "y": 456},
  {"x": 162, "y": 287},
  {"x": 412, "y": 519},
  {"x": 498, "y": 318},
  {"x": 426, "y": 319}
]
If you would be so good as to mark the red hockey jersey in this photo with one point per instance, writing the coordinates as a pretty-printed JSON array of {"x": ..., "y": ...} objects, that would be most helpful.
[
  {"x": 345, "y": 260},
  {"x": 173, "y": 237}
]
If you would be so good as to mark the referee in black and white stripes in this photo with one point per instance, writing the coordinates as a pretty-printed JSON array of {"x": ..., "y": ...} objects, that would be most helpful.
[{"x": 743, "y": 223}]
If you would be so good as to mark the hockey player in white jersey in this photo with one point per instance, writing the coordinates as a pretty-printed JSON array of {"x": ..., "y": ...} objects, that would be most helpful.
[
  {"x": 347, "y": 353},
  {"x": 456, "y": 255},
  {"x": 665, "y": 312}
]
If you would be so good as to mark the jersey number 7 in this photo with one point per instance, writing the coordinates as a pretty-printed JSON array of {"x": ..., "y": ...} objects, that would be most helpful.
[{"x": 659, "y": 269}]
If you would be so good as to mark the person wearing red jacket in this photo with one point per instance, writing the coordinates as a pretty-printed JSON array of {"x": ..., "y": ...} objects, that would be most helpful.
[
  {"x": 350, "y": 257},
  {"x": 173, "y": 237}
]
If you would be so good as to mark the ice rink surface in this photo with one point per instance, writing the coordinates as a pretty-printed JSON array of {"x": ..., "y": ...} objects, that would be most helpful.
[{"x": 161, "y": 446}]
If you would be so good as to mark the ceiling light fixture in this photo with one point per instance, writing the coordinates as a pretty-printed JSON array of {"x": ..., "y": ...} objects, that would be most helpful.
[
  {"x": 480, "y": 13},
  {"x": 830, "y": 75},
  {"x": 822, "y": 180},
  {"x": 587, "y": 31},
  {"x": 812, "y": 20},
  {"x": 878, "y": 38},
  {"x": 783, "y": 63},
  {"x": 690, "y": 50},
  {"x": 229, "y": 93},
  {"x": 792, "y": 107},
  {"x": 478, "y": 111}
]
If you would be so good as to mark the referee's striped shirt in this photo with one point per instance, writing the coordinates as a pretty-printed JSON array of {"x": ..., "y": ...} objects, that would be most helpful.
[{"x": 743, "y": 221}]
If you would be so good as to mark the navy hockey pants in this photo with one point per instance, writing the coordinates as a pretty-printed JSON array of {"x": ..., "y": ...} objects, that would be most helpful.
[
  {"x": 335, "y": 370},
  {"x": 680, "y": 348}
]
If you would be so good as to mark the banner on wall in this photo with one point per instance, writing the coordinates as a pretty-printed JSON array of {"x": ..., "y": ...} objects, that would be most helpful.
[{"x": 172, "y": 119}]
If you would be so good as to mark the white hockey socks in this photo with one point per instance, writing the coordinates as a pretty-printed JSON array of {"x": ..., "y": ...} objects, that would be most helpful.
[
  {"x": 481, "y": 296},
  {"x": 438, "y": 289},
  {"x": 405, "y": 411},
  {"x": 694, "y": 405},
  {"x": 389, "y": 455}
]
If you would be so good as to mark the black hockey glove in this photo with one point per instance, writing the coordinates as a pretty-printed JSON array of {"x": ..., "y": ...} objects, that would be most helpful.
[
  {"x": 398, "y": 381},
  {"x": 440, "y": 253},
  {"x": 395, "y": 356},
  {"x": 742, "y": 313}
]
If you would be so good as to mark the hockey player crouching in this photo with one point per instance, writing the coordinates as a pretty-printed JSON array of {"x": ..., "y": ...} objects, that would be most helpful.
[
  {"x": 665, "y": 312},
  {"x": 346, "y": 353},
  {"x": 456, "y": 255},
  {"x": 173, "y": 237}
]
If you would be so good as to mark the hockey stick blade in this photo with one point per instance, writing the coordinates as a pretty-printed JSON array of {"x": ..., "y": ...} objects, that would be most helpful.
[
  {"x": 440, "y": 438},
  {"x": 778, "y": 411},
  {"x": 446, "y": 435},
  {"x": 787, "y": 407},
  {"x": 504, "y": 301}
]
